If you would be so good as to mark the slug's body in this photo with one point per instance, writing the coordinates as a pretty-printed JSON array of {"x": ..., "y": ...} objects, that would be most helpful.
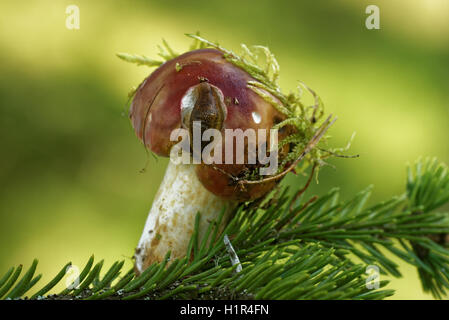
[{"x": 209, "y": 108}]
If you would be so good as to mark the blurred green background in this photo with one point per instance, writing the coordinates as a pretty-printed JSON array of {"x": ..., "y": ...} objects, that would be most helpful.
[{"x": 70, "y": 181}]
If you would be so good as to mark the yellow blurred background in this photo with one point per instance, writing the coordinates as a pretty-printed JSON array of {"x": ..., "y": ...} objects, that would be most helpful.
[{"x": 70, "y": 181}]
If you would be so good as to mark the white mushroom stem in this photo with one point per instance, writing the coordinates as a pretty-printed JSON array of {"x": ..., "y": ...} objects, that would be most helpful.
[{"x": 171, "y": 220}]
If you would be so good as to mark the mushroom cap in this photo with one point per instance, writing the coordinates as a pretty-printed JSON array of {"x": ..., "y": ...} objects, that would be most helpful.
[{"x": 156, "y": 110}]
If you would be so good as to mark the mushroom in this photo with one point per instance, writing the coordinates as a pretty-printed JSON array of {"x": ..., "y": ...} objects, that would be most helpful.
[{"x": 199, "y": 86}]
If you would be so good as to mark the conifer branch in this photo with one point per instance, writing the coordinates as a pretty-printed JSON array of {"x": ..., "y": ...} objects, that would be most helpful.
[{"x": 289, "y": 248}]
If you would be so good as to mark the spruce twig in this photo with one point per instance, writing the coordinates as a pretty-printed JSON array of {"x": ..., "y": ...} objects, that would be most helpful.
[{"x": 287, "y": 251}]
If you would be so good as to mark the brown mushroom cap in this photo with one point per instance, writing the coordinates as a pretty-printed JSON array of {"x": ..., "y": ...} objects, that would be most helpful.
[{"x": 156, "y": 111}]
